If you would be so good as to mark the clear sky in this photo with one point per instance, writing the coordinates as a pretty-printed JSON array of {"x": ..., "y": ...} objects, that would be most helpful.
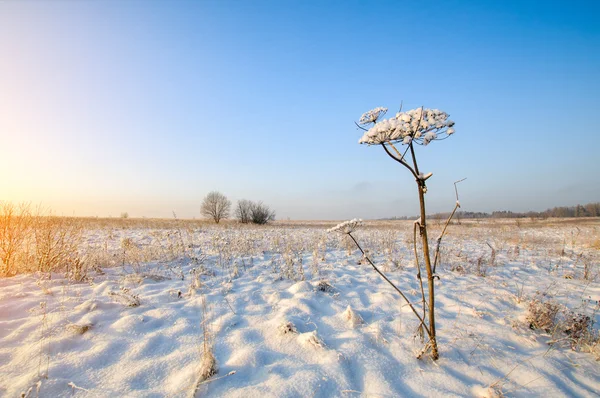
[{"x": 145, "y": 106}]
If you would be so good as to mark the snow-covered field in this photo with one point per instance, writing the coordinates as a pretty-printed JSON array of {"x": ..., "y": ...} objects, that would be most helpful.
[{"x": 291, "y": 311}]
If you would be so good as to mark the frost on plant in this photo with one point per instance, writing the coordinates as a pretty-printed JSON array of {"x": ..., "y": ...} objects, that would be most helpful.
[
  {"x": 352, "y": 317},
  {"x": 372, "y": 116},
  {"x": 417, "y": 125},
  {"x": 347, "y": 227}
]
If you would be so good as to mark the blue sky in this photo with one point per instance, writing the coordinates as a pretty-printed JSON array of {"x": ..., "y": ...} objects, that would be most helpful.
[{"x": 144, "y": 107}]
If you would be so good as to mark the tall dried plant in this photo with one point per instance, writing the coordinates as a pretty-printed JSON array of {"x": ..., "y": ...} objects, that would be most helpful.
[{"x": 414, "y": 127}]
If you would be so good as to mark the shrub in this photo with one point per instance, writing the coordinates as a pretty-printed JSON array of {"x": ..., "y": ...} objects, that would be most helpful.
[
  {"x": 261, "y": 213},
  {"x": 565, "y": 325}
]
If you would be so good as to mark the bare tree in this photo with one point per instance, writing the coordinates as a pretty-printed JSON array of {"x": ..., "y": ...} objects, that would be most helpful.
[
  {"x": 261, "y": 213},
  {"x": 216, "y": 206},
  {"x": 243, "y": 210}
]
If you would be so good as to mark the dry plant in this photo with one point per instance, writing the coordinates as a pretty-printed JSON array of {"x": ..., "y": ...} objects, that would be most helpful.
[
  {"x": 389, "y": 245},
  {"x": 590, "y": 268},
  {"x": 481, "y": 266},
  {"x": 15, "y": 229},
  {"x": 28, "y": 394},
  {"x": 287, "y": 327},
  {"x": 57, "y": 241},
  {"x": 352, "y": 317},
  {"x": 208, "y": 362},
  {"x": 39, "y": 242},
  {"x": 78, "y": 329},
  {"x": 133, "y": 255},
  {"x": 325, "y": 287},
  {"x": 565, "y": 326},
  {"x": 542, "y": 315},
  {"x": 125, "y": 297},
  {"x": 318, "y": 254},
  {"x": 415, "y": 127},
  {"x": 292, "y": 264},
  {"x": 347, "y": 228},
  {"x": 519, "y": 292},
  {"x": 437, "y": 257}
]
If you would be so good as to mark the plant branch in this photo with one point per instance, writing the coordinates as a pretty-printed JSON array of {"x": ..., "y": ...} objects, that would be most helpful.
[
  {"x": 401, "y": 156},
  {"x": 360, "y": 127},
  {"x": 402, "y": 162},
  {"x": 412, "y": 149},
  {"x": 456, "y": 189},
  {"x": 416, "y": 172},
  {"x": 391, "y": 283},
  {"x": 439, "y": 239}
]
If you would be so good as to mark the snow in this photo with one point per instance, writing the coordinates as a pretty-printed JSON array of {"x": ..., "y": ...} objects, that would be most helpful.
[
  {"x": 279, "y": 337},
  {"x": 372, "y": 116},
  {"x": 429, "y": 136},
  {"x": 346, "y": 227},
  {"x": 419, "y": 125},
  {"x": 425, "y": 176}
]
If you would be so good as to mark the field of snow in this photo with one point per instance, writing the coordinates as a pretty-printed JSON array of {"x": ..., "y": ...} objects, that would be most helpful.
[{"x": 291, "y": 311}]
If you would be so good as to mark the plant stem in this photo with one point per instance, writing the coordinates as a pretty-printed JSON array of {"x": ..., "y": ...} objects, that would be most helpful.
[
  {"x": 419, "y": 277},
  {"x": 391, "y": 283},
  {"x": 431, "y": 286}
]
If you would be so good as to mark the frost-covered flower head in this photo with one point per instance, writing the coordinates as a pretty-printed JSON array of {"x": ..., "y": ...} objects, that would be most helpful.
[
  {"x": 372, "y": 116},
  {"x": 347, "y": 227},
  {"x": 417, "y": 125}
]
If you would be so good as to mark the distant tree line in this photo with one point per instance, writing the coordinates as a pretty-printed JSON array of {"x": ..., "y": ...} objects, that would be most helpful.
[{"x": 588, "y": 210}]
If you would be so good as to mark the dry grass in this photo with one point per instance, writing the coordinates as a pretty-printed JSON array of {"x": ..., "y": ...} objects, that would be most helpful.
[
  {"x": 208, "y": 363},
  {"x": 30, "y": 243},
  {"x": 542, "y": 315},
  {"x": 565, "y": 326},
  {"x": 125, "y": 297},
  {"x": 78, "y": 329}
]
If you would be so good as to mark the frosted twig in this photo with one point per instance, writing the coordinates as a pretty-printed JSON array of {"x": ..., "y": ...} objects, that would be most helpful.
[
  {"x": 391, "y": 283},
  {"x": 76, "y": 387},
  {"x": 200, "y": 383},
  {"x": 439, "y": 239}
]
